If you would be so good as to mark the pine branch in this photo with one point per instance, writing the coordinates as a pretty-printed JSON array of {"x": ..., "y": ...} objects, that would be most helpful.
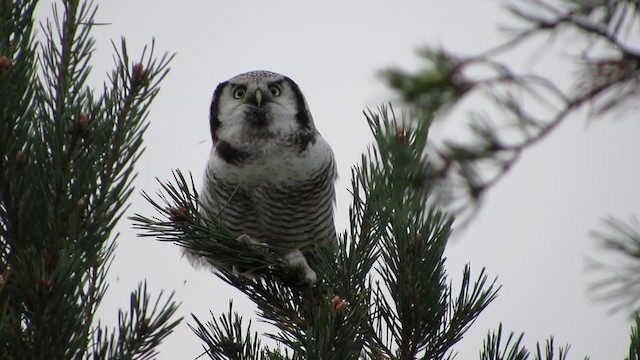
[
  {"x": 413, "y": 312},
  {"x": 183, "y": 224},
  {"x": 621, "y": 284},
  {"x": 607, "y": 81},
  {"x": 226, "y": 338},
  {"x": 140, "y": 330},
  {"x": 17, "y": 68},
  {"x": 308, "y": 323},
  {"x": 634, "y": 346},
  {"x": 549, "y": 351},
  {"x": 514, "y": 350},
  {"x": 351, "y": 313},
  {"x": 67, "y": 166}
]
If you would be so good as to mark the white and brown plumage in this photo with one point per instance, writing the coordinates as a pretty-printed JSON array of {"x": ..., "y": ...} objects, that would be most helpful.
[{"x": 268, "y": 151}]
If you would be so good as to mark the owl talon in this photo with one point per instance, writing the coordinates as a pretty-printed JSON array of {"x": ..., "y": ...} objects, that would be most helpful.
[
  {"x": 241, "y": 274},
  {"x": 254, "y": 245},
  {"x": 296, "y": 260}
]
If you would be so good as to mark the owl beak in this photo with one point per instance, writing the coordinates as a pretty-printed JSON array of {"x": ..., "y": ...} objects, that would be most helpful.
[{"x": 258, "y": 97}]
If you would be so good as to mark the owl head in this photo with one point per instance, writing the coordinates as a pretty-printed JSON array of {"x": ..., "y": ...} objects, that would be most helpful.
[{"x": 258, "y": 107}]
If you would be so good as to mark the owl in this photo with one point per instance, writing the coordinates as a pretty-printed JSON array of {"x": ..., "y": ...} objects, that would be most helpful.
[{"x": 270, "y": 174}]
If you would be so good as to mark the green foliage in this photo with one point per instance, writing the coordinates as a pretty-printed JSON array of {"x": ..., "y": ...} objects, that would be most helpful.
[
  {"x": 606, "y": 80},
  {"x": 514, "y": 350},
  {"x": 139, "y": 330},
  {"x": 383, "y": 289},
  {"x": 66, "y": 170},
  {"x": 225, "y": 338},
  {"x": 634, "y": 347},
  {"x": 621, "y": 285}
]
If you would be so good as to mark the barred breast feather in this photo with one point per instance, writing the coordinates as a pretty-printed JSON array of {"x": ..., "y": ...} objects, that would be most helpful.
[
  {"x": 285, "y": 215},
  {"x": 282, "y": 200}
]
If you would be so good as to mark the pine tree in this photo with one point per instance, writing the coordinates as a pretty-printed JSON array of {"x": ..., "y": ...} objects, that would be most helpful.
[
  {"x": 66, "y": 169},
  {"x": 383, "y": 291}
]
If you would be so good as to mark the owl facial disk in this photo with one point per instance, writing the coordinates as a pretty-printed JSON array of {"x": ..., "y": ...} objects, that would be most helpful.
[{"x": 260, "y": 106}]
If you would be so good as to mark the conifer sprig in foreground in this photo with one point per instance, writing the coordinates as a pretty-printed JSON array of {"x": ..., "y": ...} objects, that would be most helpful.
[
  {"x": 66, "y": 171},
  {"x": 383, "y": 289}
]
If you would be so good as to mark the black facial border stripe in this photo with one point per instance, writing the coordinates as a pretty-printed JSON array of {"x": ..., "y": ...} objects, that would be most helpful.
[
  {"x": 302, "y": 116},
  {"x": 214, "y": 122}
]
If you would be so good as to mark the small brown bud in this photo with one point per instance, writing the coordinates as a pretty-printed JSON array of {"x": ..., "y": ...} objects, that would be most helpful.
[
  {"x": 341, "y": 308},
  {"x": 400, "y": 136},
  {"x": 335, "y": 301},
  {"x": 5, "y": 64},
  {"x": 340, "y": 270},
  {"x": 45, "y": 284},
  {"x": 82, "y": 121},
  {"x": 144, "y": 325},
  {"x": 179, "y": 214},
  {"x": 82, "y": 203},
  {"x": 379, "y": 355},
  {"x": 22, "y": 159},
  {"x": 229, "y": 346},
  {"x": 418, "y": 236},
  {"x": 225, "y": 341},
  {"x": 138, "y": 72},
  {"x": 339, "y": 305},
  {"x": 79, "y": 127}
]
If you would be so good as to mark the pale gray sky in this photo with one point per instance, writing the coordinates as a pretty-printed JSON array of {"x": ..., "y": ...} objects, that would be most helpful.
[{"x": 533, "y": 232}]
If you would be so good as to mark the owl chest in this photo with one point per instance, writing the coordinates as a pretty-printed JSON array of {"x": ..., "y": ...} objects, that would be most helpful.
[
  {"x": 274, "y": 165},
  {"x": 272, "y": 170}
]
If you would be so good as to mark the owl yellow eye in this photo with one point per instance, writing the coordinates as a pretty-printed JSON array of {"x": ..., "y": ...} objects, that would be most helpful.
[
  {"x": 239, "y": 93},
  {"x": 275, "y": 90}
]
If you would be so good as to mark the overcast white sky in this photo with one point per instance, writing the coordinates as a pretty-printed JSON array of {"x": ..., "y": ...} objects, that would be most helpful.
[{"x": 533, "y": 232}]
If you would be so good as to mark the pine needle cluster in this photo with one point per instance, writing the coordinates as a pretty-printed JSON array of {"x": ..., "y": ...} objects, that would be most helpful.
[{"x": 66, "y": 169}]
